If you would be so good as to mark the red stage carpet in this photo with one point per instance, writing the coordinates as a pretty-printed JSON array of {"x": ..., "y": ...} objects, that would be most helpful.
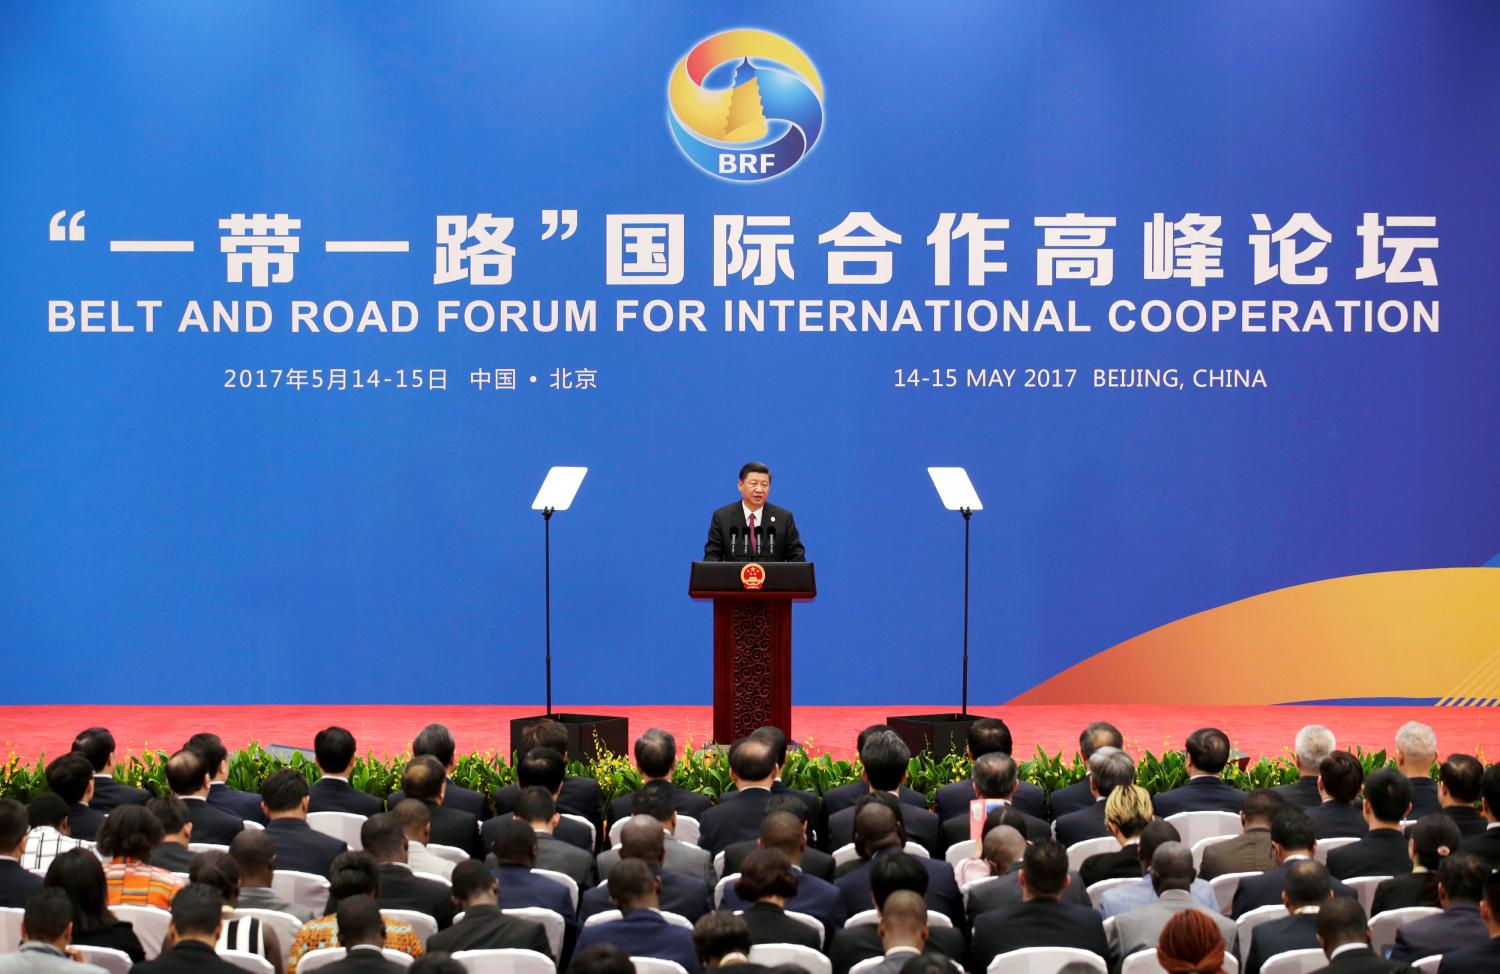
[{"x": 385, "y": 730}]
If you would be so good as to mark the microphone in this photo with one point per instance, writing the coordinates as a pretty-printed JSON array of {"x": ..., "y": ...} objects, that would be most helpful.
[
  {"x": 771, "y": 540},
  {"x": 734, "y": 542}
]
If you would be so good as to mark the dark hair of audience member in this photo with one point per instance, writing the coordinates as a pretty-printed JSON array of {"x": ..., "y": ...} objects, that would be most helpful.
[
  {"x": 441, "y": 962},
  {"x": 1262, "y": 805},
  {"x": 788, "y": 802},
  {"x": 1045, "y": 868},
  {"x": 995, "y": 774},
  {"x": 353, "y": 873},
  {"x": 928, "y": 964},
  {"x": 718, "y": 934},
  {"x": 382, "y": 837},
  {"x": 782, "y": 831},
  {"x": 654, "y": 800},
  {"x": 470, "y": 877},
  {"x": 46, "y": 809},
  {"x": 423, "y": 778},
  {"x": 1307, "y": 883},
  {"x": 1208, "y": 749},
  {"x": 216, "y": 868},
  {"x": 412, "y": 814},
  {"x": 1489, "y": 788},
  {"x": 1342, "y": 776},
  {"x": 360, "y": 922},
  {"x": 1461, "y": 774},
  {"x": 630, "y": 881},
  {"x": 1099, "y": 734},
  {"x": 1340, "y": 921},
  {"x": 989, "y": 735},
  {"x": 1004, "y": 815},
  {"x": 1155, "y": 835},
  {"x": 170, "y": 811},
  {"x": 186, "y": 772},
  {"x": 534, "y": 804},
  {"x": 1462, "y": 876},
  {"x": 283, "y": 790},
  {"x": 212, "y": 750},
  {"x": 656, "y": 753},
  {"x": 600, "y": 959},
  {"x": 515, "y": 844},
  {"x": 546, "y": 733},
  {"x": 766, "y": 873},
  {"x": 896, "y": 871},
  {"x": 254, "y": 853},
  {"x": 434, "y": 740},
  {"x": 774, "y": 738},
  {"x": 751, "y": 759},
  {"x": 542, "y": 767},
  {"x": 334, "y": 749},
  {"x": 1435, "y": 837},
  {"x": 130, "y": 832},
  {"x": 69, "y": 776},
  {"x": 886, "y": 759},
  {"x": 96, "y": 744},
  {"x": 80, "y": 874},
  {"x": 1292, "y": 829},
  {"x": 1389, "y": 793},
  {"x": 197, "y": 909},
  {"x": 14, "y": 824},
  {"x": 47, "y": 914}
]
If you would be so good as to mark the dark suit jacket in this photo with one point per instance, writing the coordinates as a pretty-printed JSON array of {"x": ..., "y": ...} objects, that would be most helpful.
[
  {"x": 784, "y": 545},
  {"x": 572, "y": 833},
  {"x": 173, "y": 857},
  {"x": 953, "y": 799},
  {"x": 688, "y": 803},
  {"x": 300, "y": 848},
  {"x": 1457, "y": 927},
  {"x": 1364, "y": 961},
  {"x": 116, "y": 936},
  {"x": 769, "y": 924},
  {"x": 1382, "y": 852},
  {"x": 364, "y": 962},
  {"x": 16, "y": 884},
  {"x": 1087, "y": 823},
  {"x": 644, "y": 933},
  {"x": 1302, "y": 794},
  {"x": 564, "y": 857},
  {"x": 1469, "y": 822},
  {"x": 680, "y": 894},
  {"x": 1006, "y": 890},
  {"x": 456, "y": 797},
  {"x": 1035, "y": 923},
  {"x": 241, "y": 803},
  {"x": 1484, "y": 959},
  {"x": 213, "y": 823},
  {"x": 942, "y": 891},
  {"x": 487, "y": 928},
  {"x": 188, "y": 957},
  {"x": 84, "y": 821},
  {"x": 1205, "y": 793},
  {"x": 579, "y": 796},
  {"x": 734, "y": 821},
  {"x": 814, "y": 805},
  {"x": 956, "y": 829},
  {"x": 1424, "y": 797},
  {"x": 1070, "y": 799},
  {"x": 400, "y": 889},
  {"x": 815, "y": 897},
  {"x": 854, "y": 944},
  {"x": 1266, "y": 889},
  {"x": 922, "y": 827},
  {"x": 835, "y": 800},
  {"x": 1485, "y": 845},
  {"x": 1250, "y": 852},
  {"x": 1125, "y": 863},
  {"x": 456, "y": 828},
  {"x": 521, "y": 887},
  {"x": 1336, "y": 820},
  {"x": 1273, "y": 937},
  {"x": 815, "y": 862},
  {"x": 1408, "y": 889},
  {"x": 109, "y": 793},
  {"x": 330, "y": 795}
]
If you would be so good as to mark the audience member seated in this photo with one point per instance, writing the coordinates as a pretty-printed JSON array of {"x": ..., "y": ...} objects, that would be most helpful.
[
  {"x": 188, "y": 778},
  {"x": 641, "y": 931},
  {"x": 642, "y": 838},
  {"x": 656, "y": 756},
  {"x": 1002, "y": 847},
  {"x": 537, "y": 808},
  {"x": 197, "y": 918},
  {"x": 1458, "y": 791},
  {"x": 16, "y": 883},
  {"x": 71, "y": 777},
  {"x": 784, "y": 832},
  {"x": 424, "y": 780},
  {"x": 1340, "y": 777},
  {"x": 244, "y": 804},
  {"x": 1109, "y": 768},
  {"x": 1416, "y": 753},
  {"x": 334, "y": 749},
  {"x": 1127, "y": 812},
  {"x": 1313, "y": 743},
  {"x": 1383, "y": 849},
  {"x": 50, "y": 833},
  {"x": 1430, "y": 841},
  {"x": 515, "y": 857},
  {"x": 1190, "y": 942},
  {"x": 97, "y": 745},
  {"x": 1481, "y": 958},
  {"x": 1461, "y": 878},
  {"x": 126, "y": 840},
  {"x": 1485, "y": 845},
  {"x": 1079, "y": 795},
  {"x": 1122, "y": 898},
  {"x": 878, "y": 832},
  {"x": 752, "y": 767},
  {"x": 722, "y": 940},
  {"x": 1293, "y": 837},
  {"x": 655, "y": 801},
  {"x": 577, "y": 795},
  {"x": 284, "y": 796},
  {"x": 1251, "y": 850},
  {"x": 79, "y": 874},
  {"x": 416, "y": 823},
  {"x": 994, "y": 781},
  {"x": 776, "y": 740},
  {"x": 46, "y": 938},
  {"x": 1040, "y": 919},
  {"x": 815, "y": 862},
  {"x": 598, "y": 959},
  {"x": 988, "y": 735},
  {"x": 362, "y": 934},
  {"x": 767, "y": 883},
  {"x": 400, "y": 888},
  {"x": 219, "y": 870},
  {"x": 437, "y": 743},
  {"x": 886, "y": 759},
  {"x": 1205, "y": 791},
  {"x": 255, "y": 855},
  {"x": 1006, "y": 889},
  {"x": 835, "y": 800},
  {"x": 1172, "y": 877},
  {"x": 484, "y": 926},
  {"x": 888, "y": 875},
  {"x": 1344, "y": 935},
  {"x": 172, "y": 851},
  {"x": 902, "y": 931},
  {"x": 352, "y": 874},
  {"x": 544, "y": 768},
  {"x": 1307, "y": 889}
]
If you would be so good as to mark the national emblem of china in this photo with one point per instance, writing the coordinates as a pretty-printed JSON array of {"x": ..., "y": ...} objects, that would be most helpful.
[{"x": 752, "y": 576}]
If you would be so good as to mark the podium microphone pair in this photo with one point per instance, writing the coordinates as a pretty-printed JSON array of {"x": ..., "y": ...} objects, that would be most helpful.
[{"x": 765, "y": 541}]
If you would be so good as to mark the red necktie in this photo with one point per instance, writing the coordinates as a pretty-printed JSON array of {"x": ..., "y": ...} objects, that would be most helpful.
[{"x": 754, "y": 541}]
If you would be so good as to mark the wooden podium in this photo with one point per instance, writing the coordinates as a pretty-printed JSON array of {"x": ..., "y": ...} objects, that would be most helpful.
[{"x": 752, "y": 640}]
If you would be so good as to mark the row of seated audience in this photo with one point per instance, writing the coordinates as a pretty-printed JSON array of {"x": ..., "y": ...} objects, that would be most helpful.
[{"x": 103, "y": 844}]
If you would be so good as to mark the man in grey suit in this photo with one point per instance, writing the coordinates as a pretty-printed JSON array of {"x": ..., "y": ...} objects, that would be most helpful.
[
  {"x": 654, "y": 803},
  {"x": 46, "y": 932},
  {"x": 537, "y": 808},
  {"x": 1172, "y": 876}
]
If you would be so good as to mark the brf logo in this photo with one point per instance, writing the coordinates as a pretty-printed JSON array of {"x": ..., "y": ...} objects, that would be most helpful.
[{"x": 745, "y": 105}]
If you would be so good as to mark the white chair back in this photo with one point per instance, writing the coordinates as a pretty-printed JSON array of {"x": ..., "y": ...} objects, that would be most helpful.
[
  {"x": 1143, "y": 962},
  {"x": 564, "y": 878},
  {"x": 1295, "y": 962},
  {"x": 1325, "y": 846},
  {"x": 307, "y": 890},
  {"x": 10, "y": 928},
  {"x": 113, "y": 961},
  {"x": 247, "y": 961},
  {"x": 1225, "y": 887},
  {"x": 721, "y": 886},
  {"x": 655, "y": 965},
  {"x": 614, "y": 832},
  {"x": 253, "y": 826},
  {"x": 605, "y": 916},
  {"x": 505, "y": 961},
  {"x": 449, "y": 852},
  {"x": 343, "y": 826},
  {"x": 1097, "y": 890},
  {"x": 688, "y": 830},
  {"x": 1428, "y": 965},
  {"x": 1364, "y": 887},
  {"x": 1383, "y": 926},
  {"x": 1043, "y": 960},
  {"x": 285, "y": 925},
  {"x": 434, "y": 878},
  {"x": 773, "y": 955},
  {"x": 1193, "y": 826},
  {"x": 422, "y": 924},
  {"x": 197, "y": 847},
  {"x": 316, "y": 959},
  {"x": 862, "y": 918},
  {"x": 936, "y": 919},
  {"x": 867, "y": 964},
  {"x": 917, "y": 849},
  {"x": 149, "y": 924},
  {"x": 1079, "y": 851},
  {"x": 959, "y": 851},
  {"x": 807, "y": 920},
  {"x": 550, "y": 920},
  {"x": 593, "y": 835},
  {"x": 1245, "y": 925},
  {"x": 1203, "y": 844},
  {"x": 843, "y": 854},
  {"x": 718, "y": 864}
]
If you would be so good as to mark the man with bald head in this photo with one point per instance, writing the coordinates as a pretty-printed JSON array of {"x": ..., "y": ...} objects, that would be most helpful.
[
  {"x": 254, "y": 852},
  {"x": 784, "y": 832},
  {"x": 655, "y": 800},
  {"x": 994, "y": 781},
  {"x": 643, "y": 840},
  {"x": 752, "y": 765},
  {"x": 902, "y": 930},
  {"x": 634, "y": 890},
  {"x": 878, "y": 832},
  {"x": 1172, "y": 876}
]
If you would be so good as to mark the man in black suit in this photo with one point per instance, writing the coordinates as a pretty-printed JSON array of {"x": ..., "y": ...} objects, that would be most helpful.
[
  {"x": 1344, "y": 935},
  {"x": 1383, "y": 849},
  {"x": 994, "y": 781},
  {"x": 814, "y": 862},
  {"x": 426, "y": 780},
  {"x": 1040, "y": 919},
  {"x": 783, "y": 831},
  {"x": 362, "y": 935},
  {"x": 642, "y": 838},
  {"x": 1307, "y": 889},
  {"x": 1340, "y": 777},
  {"x": 283, "y": 796},
  {"x": 750, "y": 529},
  {"x": 1293, "y": 838},
  {"x": 97, "y": 744},
  {"x": 764, "y": 889},
  {"x": 436, "y": 741},
  {"x": 1313, "y": 743},
  {"x": 1461, "y": 881},
  {"x": 515, "y": 857},
  {"x": 400, "y": 889},
  {"x": 1079, "y": 795},
  {"x": 72, "y": 777},
  {"x": 656, "y": 756},
  {"x": 1458, "y": 791},
  {"x": 1205, "y": 791},
  {"x": 334, "y": 749},
  {"x": 752, "y": 766},
  {"x": 777, "y": 741},
  {"x": 197, "y": 918},
  {"x": 188, "y": 779},
  {"x": 989, "y": 735},
  {"x": 889, "y": 874},
  {"x": 16, "y": 883},
  {"x": 1109, "y": 768},
  {"x": 575, "y": 796},
  {"x": 484, "y": 926},
  {"x": 215, "y": 756},
  {"x": 878, "y": 833},
  {"x": 886, "y": 760},
  {"x": 1486, "y": 845},
  {"x": 1481, "y": 958},
  {"x": 543, "y": 768},
  {"x": 1004, "y": 848},
  {"x": 536, "y": 808},
  {"x": 1416, "y": 753},
  {"x": 172, "y": 853},
  {"x": 835, "y": 800}
]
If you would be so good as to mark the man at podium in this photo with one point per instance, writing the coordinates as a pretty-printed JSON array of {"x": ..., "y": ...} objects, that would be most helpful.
[{"x": 750, "y": 529}]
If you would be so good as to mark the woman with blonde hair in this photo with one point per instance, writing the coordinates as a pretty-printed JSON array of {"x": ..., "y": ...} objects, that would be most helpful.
[{"x": 1127, "y": 812}]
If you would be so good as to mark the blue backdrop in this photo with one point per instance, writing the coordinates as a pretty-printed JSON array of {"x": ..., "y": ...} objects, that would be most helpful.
[{"x": 169, "y": 540}]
